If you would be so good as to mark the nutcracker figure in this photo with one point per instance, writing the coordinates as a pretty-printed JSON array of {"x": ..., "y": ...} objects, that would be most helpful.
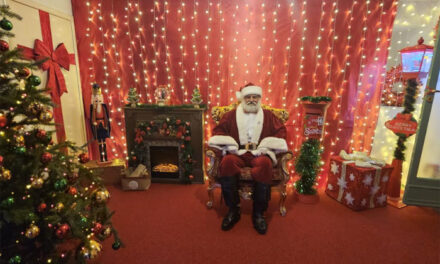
[{"x": 99, "y": 121}]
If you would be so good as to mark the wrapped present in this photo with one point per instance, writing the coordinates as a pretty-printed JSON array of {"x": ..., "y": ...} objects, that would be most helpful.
[{"x": 358, "y": 183}]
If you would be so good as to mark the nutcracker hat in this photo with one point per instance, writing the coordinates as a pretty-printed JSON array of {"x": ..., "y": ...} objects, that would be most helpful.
[
  {"x": 249, "y": 88},
  {"x": 96, "y": 89}
]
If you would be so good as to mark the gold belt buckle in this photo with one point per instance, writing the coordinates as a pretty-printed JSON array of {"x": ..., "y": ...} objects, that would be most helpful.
[{"x": 250, "y": 146}]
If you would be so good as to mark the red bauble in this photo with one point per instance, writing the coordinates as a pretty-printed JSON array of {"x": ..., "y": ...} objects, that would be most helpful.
[
  {"x": 97, "y": 228},
  {"x": 187, "y": 138},
  {"x": 83, "y": 158},
  {"x": 41, "y": 134},
  {"x": 1, "y": 160},
  {"x": 3, "y": 120},
  {"x": 46, "y": 157},
  {"x": 178, "y": 122},
  {"x": 42, "y": 207},
  {"x": 191, "y": 177},
  {"x": 4, "y": 45},
  {"x": 62, "y": 230},
  {"x": 182, "y": 146},
  {"x": 73, "y": 190}
]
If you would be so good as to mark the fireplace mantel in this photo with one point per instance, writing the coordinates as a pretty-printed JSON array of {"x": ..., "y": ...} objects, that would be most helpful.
[{"x": 133, "y": 116}]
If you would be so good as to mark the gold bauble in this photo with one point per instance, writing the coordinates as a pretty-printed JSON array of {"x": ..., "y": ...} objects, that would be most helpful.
[
  {"x": 35, "y": 108},
  {"x": 102, "y": 196},
  {"x": 92, "y": 251},
  {"x": 107, "y": 231},
  {"x": 46, "y": 116},
  {"x": 20, "y": 140},
  {"x": 5, "y": 174},
  {"x": 59, "y": 206},
  {"x": 32, "y": 231},
  {"x": 37, "y": 183}
]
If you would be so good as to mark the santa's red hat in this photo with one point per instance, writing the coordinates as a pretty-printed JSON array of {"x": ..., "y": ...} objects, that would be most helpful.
[{"x": 249, "y": 88}]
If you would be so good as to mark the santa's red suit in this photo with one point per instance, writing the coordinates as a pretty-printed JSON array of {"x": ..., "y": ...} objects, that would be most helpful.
[{"x": 249, "y": 140}]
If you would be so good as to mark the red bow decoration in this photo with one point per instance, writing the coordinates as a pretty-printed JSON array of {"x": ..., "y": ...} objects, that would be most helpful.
[{"x": 58, "y": 57}]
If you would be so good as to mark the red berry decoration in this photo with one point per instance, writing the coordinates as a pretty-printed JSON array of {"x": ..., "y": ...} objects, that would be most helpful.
[
  {"x": 46, "y": 157},
  {"x": 83, "y": 158},
  {"x": 24, "y": 73},
  {"x": 4, "y": 45},
  {"x": 3, "y": 120},
  {"x": 42, "y": 207},
  {"x": 62, "y": 230},
  {"x": 191, "y": 177}
]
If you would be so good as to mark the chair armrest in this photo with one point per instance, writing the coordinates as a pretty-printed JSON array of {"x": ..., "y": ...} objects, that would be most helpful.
[
  {"x": 282, "y": 159},
  {"x": 214, "y": 156}
]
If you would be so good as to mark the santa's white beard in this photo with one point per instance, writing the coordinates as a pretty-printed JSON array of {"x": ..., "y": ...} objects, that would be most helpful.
[{"x": 251, "y": 107}]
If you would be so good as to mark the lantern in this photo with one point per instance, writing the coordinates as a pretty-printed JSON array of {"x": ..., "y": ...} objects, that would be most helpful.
[{"x": 416, "y": 60}]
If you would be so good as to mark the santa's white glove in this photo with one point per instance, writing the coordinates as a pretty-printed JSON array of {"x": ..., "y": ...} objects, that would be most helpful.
[{"x": 259, "y": 151}]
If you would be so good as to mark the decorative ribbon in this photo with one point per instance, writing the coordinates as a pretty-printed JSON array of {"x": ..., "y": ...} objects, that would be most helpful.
[
  {"x": 55, "y": 60},
  {"x": 376, "y": 183},
  {"x": 343, "y": 174}
]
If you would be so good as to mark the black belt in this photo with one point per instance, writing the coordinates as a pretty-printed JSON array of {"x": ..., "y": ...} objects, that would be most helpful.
[{"x": 249, "y": 146}]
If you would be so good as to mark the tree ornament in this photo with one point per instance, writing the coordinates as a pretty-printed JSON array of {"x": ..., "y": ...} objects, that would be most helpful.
[
  {"x": 60, "y": 184},
  {"x": 116, "y": 245},
  {"x": 5, "y": 174},
  {"x": 46, "y": 157},
  {"x": 73, "y": 190},
  {"x": 3, "y": 120},
  {"x": 101, "y": 196},
  {"x": 4, "y": 45},
  {"x": 133, "y": 97},
  {"x": 41, "y": 134},
  {"x": 15, "y": 260},
  {"x": 32, "y": 231},
  {"x": 36, "y": 108},
  {"x": 24, "y": 73},
  {"x": 83, "y": 158},
  {"x": 1, "y": 160},
  {"x": 42, "y": 207},
  {"x": 45, "y": 116},
  {"x": 62, "y": 231},
  {"x": 92, "y": 250},
  {"x": 106, "y": 232},
  {"x": 44, "y": 175},
  {"x": 37, "y": 183},
  {"x": 6, "y": 24},
  {"x": 97, "y": 228},
  {"x": 59, "y": 206},
  {"x": 19, "y": 140},
  {"x": 34, "y": 80},
  {"x": 196, "y": 98}
]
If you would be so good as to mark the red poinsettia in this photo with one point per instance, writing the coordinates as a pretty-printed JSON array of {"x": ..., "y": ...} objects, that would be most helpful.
[{"x": 139, "y": 136}]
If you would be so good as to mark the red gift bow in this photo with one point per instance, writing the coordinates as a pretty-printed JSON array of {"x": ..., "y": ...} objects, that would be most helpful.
[{"x": 58, "y": 57}]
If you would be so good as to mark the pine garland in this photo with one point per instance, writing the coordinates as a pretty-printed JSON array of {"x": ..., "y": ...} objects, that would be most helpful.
[
  {"x": 307, "y": 165},
  {"x": 408, "y": 104},
  {"x": 316, "y": 99}
]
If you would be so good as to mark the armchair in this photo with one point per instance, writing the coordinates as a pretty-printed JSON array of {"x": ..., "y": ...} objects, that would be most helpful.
[{"x": 280, "y": 171}]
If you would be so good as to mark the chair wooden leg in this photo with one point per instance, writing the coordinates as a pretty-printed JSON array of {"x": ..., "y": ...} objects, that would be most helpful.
[
  {"x": 283, "y": 195},
  {"x": 210, "y": 195}
]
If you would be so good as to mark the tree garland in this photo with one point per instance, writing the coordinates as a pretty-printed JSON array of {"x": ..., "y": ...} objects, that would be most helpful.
[
  {"x": 316, "y": 99},
  {"x": 408, "y": 104},
  {"x": 168, "y": 127},
  {"x": 307, "y": 165}
]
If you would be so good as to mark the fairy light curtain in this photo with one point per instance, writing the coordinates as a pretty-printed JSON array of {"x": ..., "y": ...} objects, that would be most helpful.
[{"x": 291, "y": 48}]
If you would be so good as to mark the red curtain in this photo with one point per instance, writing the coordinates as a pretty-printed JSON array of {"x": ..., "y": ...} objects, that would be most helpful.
[{"x": 291, "y": 48}]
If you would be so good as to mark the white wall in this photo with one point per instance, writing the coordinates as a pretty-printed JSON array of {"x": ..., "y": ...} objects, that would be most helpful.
[{"x": 63, "y": 6}]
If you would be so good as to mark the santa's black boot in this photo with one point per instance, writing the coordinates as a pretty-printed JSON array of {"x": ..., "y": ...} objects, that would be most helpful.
[
  {"x": 232, "y": 200},
  {"x": 261, "y": 196}
]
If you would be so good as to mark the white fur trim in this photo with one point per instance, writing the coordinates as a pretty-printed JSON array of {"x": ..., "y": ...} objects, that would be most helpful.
[
  {"x": 249, "y": 90},
  {"x": 242, "y": 129},
  {"x": 275, "y": 144},
  {"x": 216, "y": 141}
]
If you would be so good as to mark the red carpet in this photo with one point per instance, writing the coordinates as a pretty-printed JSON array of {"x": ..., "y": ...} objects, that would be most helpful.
[{"x": 170, "y": 224}]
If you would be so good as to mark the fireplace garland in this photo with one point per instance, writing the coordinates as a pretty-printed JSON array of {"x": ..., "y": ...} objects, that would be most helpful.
[{"x": 166, "y": 127}]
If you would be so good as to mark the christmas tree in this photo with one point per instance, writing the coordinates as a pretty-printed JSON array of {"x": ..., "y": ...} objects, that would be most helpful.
[
  {"x": 133, "y": 97},
  {"x": 307, "y": 166},
  {"x": 52, "y": 208},
  {"x": 196, "y": 97}
]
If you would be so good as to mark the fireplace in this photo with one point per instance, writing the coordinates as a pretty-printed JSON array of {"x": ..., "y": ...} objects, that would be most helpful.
[
  {"x": 166, "y": 156},
  {"x": 163, "y": 160}
]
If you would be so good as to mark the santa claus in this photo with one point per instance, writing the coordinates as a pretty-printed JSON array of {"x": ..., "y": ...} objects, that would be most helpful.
[{"x": 248, "y": 136}]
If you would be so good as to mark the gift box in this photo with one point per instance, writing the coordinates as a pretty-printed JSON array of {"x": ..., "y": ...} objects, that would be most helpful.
[
  {"x": 135, "y": 180},
  {"x": 358, "y": 187}
]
